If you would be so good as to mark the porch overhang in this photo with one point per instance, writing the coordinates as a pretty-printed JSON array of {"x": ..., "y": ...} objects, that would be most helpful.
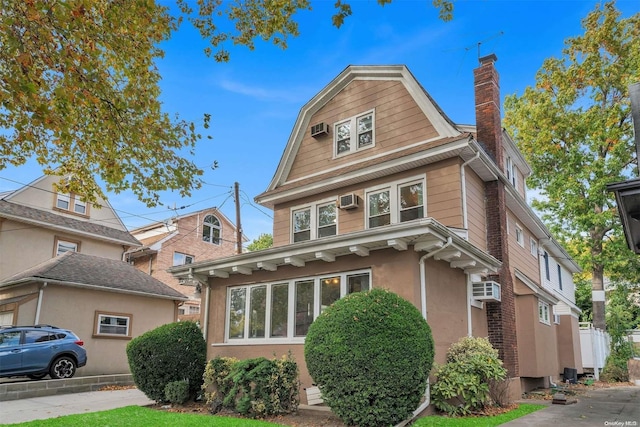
[{"x": 426, "y": 235}]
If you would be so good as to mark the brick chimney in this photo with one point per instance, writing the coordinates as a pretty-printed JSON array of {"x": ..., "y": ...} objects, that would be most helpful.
[
  {"x": 501, "y": 316},
  {"x": 488, "y": 120}
]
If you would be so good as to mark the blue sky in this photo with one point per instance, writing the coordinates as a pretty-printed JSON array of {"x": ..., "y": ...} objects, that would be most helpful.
[{"x": 255, "y": 98}]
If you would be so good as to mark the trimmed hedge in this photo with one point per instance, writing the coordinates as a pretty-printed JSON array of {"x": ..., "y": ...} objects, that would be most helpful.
[
  {"x": 370, "y": 353},
  {"x": 253, "y": 387},
  {"x": 171, "y": 352}
]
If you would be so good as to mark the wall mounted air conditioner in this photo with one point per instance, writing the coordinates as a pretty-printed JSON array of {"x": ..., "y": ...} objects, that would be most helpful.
[
  {"x": 319, "y": 129},
  {"x": 348, "y": 201},
  {"x": 486, "y": 291}
]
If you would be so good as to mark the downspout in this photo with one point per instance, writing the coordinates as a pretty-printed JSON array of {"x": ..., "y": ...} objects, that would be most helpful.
[
  {"x": 463, "y": 183},
  {"x": 205, "y": 325},
  {"x": 39, "y": 306},
  {"x": 423, "y": 296},
  {"x": 469, "y": 296}
]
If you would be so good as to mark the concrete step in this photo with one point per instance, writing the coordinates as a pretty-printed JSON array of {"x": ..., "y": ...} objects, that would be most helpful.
[{"x": 38, "y": 388}]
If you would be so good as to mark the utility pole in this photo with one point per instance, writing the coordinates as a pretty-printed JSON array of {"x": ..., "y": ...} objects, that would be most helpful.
[{"x": 236, "y": 188}]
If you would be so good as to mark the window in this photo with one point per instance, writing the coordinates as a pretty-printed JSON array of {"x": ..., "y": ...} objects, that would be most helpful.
[
  {"x": 534, "y": 247},
  {"x": 194, "y": 309},
  {"x": 546, "y": 265},
  {"x": 211, "y": 229},
  {"x": 519, "y": 235},
  {"x": 313, "y": 222},
  {"x": 113, "y": 324},
  {"x": 71, "y": 203},
  {"x": 62, "y": 246},
  {"x": 512, "y": 172},
  {"x": 543, "y": 312},
  {"x": 354, "y": 134},
  {"x": 559, "y": 277},
  {"x": 286, "y": 309},
  {"x": 182, "y": 259},
  {"x": 10, "y": 339},
  {"x": 397, "y": 203}
]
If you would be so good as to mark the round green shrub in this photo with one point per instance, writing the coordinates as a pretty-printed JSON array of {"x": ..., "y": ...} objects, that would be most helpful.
[
  {"x": 171, "y": 352},
  {"x": 370, "y": 353}
]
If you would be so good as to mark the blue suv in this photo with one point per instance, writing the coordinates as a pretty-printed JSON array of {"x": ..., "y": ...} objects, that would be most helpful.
[{"x": 36, "y": 351}]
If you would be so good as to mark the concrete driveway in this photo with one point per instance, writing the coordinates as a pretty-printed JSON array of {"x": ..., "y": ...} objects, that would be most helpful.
[{"x": 613, "y": 407}]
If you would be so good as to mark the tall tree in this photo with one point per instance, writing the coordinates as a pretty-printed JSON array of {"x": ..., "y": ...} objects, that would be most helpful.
[
  {"x": 575, "y": 129},
  {"x": 263, "y": 241},
  {"x": 79, "y": 86}
]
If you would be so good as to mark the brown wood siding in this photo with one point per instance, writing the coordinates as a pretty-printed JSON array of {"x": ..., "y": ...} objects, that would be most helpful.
[
  {"x": 476, "y": 210},
  {"x": 281, "y": 225},
  {"x": 398, "y": 122},
  {"x": 520, "y": 257},
  {"x": 444, "y": 193}
]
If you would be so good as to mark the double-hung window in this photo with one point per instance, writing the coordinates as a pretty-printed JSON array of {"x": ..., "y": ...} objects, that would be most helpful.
[
  {"x": 355, "y": 133},
  {"x": 314, "y": 221},
  {"x": 70, "y": 203},
  {"x": 399, "y": 202},
  {"x": 519, "y": 235},
  {"x": 543, "y": 312},
  {"x": 285, "y": 310},
  {"x": 113, "y": 324}
]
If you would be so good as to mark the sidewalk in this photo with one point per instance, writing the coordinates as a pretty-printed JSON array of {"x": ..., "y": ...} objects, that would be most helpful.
[
  {"x": 615, "y": 406},
  {"x": 38, "y": 408}
]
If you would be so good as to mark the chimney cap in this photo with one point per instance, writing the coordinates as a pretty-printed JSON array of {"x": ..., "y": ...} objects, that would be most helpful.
[{"x": 488, "y": 59}]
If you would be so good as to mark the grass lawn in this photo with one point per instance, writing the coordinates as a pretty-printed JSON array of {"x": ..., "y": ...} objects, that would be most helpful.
[
  {"x": 435, "y": 420},
  {"x": 142, "y": 417}
]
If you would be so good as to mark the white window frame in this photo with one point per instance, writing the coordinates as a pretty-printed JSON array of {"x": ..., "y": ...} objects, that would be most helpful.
[
  {"x": 73, "y": 245},
  {"x": 519, "y": 235},
  {"x": 102, "y": 315},
  {"x": 313, "y": 209},
  {"x": 512, "y": 172},
  {"x": 533, "y": 244},
  {"x": 73, "y": 204},
  {"x": 212, "y": 226},
  {"x": 353, "y": 133},
  {"x": 64, "y": 198},
  {"x": 544, "y": 311},
  {"x": 291, "y": 284},
  {"x": 394, "y": 197},
  {"x": 183, "y": 258}
]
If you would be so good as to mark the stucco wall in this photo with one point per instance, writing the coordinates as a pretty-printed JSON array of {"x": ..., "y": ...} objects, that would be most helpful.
[{"x": 568, "y": 333}]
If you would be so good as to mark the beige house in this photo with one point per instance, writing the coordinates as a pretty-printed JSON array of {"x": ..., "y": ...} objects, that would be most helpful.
[
  {"x": 185, "y": 239},
  {"x": 377, "y": 187},
  {"x": 61, "y": 264}
]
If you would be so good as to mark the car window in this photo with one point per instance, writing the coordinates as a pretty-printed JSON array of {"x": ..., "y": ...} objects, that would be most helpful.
[
  {"x": 9, "y": 339},
  {"x": 33, "y": 336}
]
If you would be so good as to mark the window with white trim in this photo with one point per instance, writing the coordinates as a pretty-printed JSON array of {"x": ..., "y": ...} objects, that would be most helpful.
[
  {"x": 211, "y": 229},
  {"x": 353, "y": 134},
  {"x": 113, "y": 324},
  {"x": 512, "y": 172},
  {"x": 181, "y": 259},
  {"x": 314, "y": 221},
  {"x": 285, "y": 310},
  {"x": 559, "y": 277},
  {"x": 519, "y": 235},
  {"x": 396, "y": 203},
  {"x": 533, "y": 244},
  {"x": 546, "y": 266},
  {"x": 543, "y": 312},
  {"x": 63, "y": 246},
  {"x": 71, "y": 203}
]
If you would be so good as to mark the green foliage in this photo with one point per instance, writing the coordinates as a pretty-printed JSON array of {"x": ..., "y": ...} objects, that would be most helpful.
[
  {"x": 370, "y": 354},
  {"x": 462, "y": 385},
  {"x": 253, "y": 387},
  {"x": 576, "y": 122},
  {"x": 177, "y": 392},
  {"x": 171, "y": 352},
  {"x": 615, "y": 367},
  {"x": 264, "y": 241}
]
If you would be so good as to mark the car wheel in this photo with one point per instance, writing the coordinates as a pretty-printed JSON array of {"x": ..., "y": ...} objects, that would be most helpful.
[
  {"x": 63, "y": 367},
  {"x": 37, "y": 376}
]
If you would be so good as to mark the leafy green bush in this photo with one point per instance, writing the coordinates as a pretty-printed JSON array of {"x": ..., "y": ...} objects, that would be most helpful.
[
  {"x": 177, "y": 392},
  {"x": 171, "y": 352},
  {"x": 253, "y": 387},
  {"x": 462, "y": 384},
  {"x": 370, "y": 353},
  {"x": 615, "y": 367}
]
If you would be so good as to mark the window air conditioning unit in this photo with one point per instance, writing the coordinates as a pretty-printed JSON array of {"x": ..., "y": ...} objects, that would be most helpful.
[
  {"x": 348, "y": 201},
  {"x": 486, "y": 291},
  {"x": 319, "y": 129}
]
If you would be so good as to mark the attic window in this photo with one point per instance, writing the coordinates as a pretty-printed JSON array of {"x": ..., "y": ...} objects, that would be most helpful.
[
  {"x": 71, "y": 203},
  {"x": 355, "y": 133},
  {"x": 211, "y": 229}
]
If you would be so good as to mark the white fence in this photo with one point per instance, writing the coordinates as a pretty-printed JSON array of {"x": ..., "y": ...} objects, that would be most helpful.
[{"x": 595, "y": 346}]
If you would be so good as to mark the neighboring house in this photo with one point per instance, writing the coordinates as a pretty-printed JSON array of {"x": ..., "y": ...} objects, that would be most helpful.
[
  {"x": 61, "y": 264},
  {"x": 38, "y": 223},
  {"x": 377, "y": 187},
  {"x": 185, "y": 239},
  {"x": 106, "y": 302}
]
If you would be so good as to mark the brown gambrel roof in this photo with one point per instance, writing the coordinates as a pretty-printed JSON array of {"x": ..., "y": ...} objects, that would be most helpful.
[
  {"x": 41, "y": 217},
  {"x": 87, "y": 271}
]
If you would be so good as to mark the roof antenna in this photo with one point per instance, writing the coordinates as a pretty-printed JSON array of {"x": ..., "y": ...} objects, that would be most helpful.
[{"x": 495, "y": 36}]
